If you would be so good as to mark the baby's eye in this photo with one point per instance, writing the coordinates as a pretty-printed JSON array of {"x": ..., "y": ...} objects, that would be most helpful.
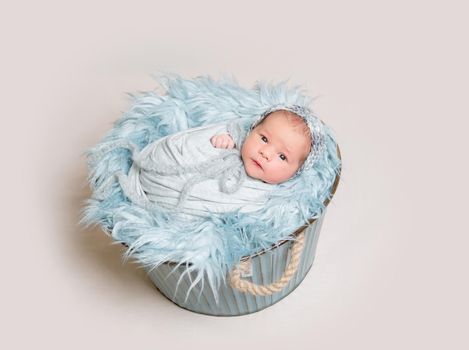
[
  {"x": 282, "y": 157},
  {"x": 263, "y": 138}
]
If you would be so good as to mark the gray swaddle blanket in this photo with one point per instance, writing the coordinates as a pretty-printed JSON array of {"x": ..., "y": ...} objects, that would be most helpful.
[{"x": 184, "y": 173}]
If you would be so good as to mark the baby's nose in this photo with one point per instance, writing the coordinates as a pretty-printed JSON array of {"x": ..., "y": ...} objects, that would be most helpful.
[{"x": 265, "y": 153}]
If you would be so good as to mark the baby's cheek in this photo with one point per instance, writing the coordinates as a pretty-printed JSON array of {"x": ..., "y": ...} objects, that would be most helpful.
[
  {"x": 244, "y": 163},
  {"x": 243, "y": 152},
  {"x": 294, "y": 170}
]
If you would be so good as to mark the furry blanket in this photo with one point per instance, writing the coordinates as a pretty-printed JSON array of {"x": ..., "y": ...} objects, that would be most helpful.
[{"x": 211, "y": 245}]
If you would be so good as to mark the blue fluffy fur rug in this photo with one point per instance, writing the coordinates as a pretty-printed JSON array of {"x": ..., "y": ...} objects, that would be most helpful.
[{"x": 210, "y": 246}]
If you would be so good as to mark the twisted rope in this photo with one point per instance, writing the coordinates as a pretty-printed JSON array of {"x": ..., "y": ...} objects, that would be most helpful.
[{"x": 256, "y": 289}]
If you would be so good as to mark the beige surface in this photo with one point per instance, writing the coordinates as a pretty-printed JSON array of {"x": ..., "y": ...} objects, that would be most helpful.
[{"x": 392, "y": 81}]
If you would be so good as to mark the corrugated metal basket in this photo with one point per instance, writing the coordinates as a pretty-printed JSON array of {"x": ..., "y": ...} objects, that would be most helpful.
[{"x": 259, "y": 281}]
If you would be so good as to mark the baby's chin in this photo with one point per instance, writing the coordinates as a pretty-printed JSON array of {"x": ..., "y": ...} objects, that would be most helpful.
[{"x": 253, "y": 172}]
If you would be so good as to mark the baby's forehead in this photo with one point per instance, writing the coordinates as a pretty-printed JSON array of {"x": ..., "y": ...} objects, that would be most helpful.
[
  {"x": 292, "y": 118},
  {"x": 286, "y": 119}
]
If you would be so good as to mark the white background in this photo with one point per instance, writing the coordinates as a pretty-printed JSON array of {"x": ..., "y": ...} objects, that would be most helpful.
[{"x": 391, "y": 79}]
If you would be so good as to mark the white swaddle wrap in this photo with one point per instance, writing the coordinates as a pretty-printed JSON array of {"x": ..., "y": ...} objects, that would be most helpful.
[{"x": 185, "y": 173}]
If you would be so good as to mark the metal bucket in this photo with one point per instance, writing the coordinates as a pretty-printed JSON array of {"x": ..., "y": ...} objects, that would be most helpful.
[
  {"x": 265, "y": 278},
  {"x": 266, "y": 268}
]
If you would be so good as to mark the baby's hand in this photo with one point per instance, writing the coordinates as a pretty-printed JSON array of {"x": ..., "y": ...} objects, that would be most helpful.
[{"x": 222, "y": 141}]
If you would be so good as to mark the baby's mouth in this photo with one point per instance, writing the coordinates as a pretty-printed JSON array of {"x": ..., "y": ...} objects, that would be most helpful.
[{"x": 257, "y": 163}]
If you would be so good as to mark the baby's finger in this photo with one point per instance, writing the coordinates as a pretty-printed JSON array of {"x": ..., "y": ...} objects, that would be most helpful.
[
  {"x": 230, "y": 143},
  {"x": 213, "y": 140},
  {"x": 216, "y": 141},
  {"x": 220, "y": 142},
  {"x": 224, "y": 143}
]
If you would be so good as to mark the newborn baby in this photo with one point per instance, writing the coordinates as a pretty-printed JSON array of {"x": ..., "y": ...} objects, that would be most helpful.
[
  {"x": 217, "y": 169},
  {"x": 275, "y": 149}
]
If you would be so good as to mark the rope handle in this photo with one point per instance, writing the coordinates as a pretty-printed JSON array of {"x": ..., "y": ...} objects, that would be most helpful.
[{"x": 258, "y": 289}]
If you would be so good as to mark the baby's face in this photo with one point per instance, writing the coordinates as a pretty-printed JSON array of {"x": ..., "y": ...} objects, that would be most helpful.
[{"x": 275, "y": 149}]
